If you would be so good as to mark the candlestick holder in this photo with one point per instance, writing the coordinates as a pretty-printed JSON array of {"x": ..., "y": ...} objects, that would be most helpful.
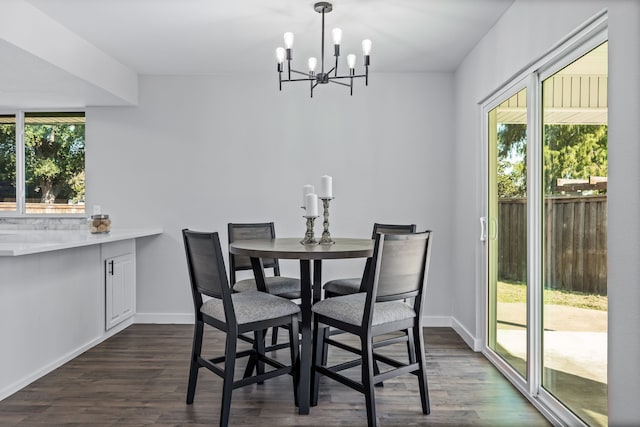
[
  {"x": 309, "y": 238},
  {"x": 326, "y": 236}
]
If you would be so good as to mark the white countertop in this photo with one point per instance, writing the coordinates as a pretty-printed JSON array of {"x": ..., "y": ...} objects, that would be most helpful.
[{"x": 25, "y": 242}]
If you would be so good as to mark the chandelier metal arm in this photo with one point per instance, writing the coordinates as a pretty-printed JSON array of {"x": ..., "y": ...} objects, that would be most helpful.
[
  {"x": 339, "y": 83},
  {"x": 346, "y": 77},
  {"x": 310, "y": 79},
  {"x": 299, "y": 72}
]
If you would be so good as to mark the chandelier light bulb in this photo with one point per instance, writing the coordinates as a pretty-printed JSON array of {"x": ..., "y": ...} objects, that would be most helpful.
[
  {"x": 366, "y": 47},
  {"x": 288, "y": 40},
  {"x": 280, "y": 53},
  {"x": 351, "y": 61},
  {"x": 312, "y": 64},
  {"x": 337, "y": 35}
]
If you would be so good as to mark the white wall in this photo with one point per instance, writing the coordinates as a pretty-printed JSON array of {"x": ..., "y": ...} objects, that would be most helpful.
[
  {"x": 524, "y": 33},
  {"x": 200, "y": 152}
]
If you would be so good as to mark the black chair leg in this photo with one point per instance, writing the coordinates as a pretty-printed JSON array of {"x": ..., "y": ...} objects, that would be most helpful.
[
  {"x": 251, "y": 365},
  {"x": 253, "y": 361},
  {"x": 367, "y": 379},
  {"x": 227, "y": 386},
  {"x": 294, "y": 347},
  {"x": 376, "y": 371},
  {"x": 411, "y": 346},
  {"x": 195, "y": 353},
  {"x": 420, "y": 356},
  {"x": 319, "y": 357},
  {"x": 325, "y": 347},
  {"x": 274, "y": 336},
  {"x": 259, "y": 346}
]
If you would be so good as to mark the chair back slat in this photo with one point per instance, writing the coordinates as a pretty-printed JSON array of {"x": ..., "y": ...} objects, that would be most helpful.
[
  {"x": 379, "y": 228},
  {"x": 250, "y": 231},
  {"x": 399, "y": 265},
  {"x": 392, "y": 229},
  {"x": 206, "y": 263}
]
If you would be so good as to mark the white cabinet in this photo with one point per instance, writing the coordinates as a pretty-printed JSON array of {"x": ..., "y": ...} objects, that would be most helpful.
[{"x": 120, "y": 282}]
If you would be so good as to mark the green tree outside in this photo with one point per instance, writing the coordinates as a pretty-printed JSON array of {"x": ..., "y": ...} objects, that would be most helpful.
[
  {"x": 8, "y": 159},
  {"x": 570, "y": 151},
  {"x": 54, "y": 157}
]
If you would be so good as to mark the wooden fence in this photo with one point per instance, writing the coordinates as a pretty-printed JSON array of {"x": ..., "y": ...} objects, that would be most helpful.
[
  {"x": 575, "y": 246},
  {"x": 45, "y": 208}
]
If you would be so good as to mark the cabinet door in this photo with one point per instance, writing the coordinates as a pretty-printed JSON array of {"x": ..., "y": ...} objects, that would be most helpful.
[{"x": 120, "y": 289}]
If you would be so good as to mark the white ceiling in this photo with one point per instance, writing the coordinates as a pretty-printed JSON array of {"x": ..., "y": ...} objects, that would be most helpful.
[{"x": 187, "y": 37}]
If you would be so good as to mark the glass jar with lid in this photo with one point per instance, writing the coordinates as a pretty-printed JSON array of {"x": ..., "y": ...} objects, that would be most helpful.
[{"x": 99, "y": 224}]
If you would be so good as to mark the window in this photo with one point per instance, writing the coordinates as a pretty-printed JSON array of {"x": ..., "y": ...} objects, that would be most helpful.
[{"x": 42, "y": 163}]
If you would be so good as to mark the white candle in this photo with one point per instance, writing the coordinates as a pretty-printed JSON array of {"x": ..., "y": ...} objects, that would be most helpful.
[
  {"x": 326, "y": 185},
  {"x": 311, "y": 204},
  {"x": 306, "y": 190}
]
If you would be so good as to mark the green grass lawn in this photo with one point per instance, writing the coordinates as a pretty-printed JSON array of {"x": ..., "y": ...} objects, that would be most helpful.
[{"x": 516, "y": 292}]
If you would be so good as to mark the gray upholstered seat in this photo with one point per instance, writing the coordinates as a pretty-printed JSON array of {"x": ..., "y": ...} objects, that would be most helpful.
[
  {"x": 343, "y": 286},
  {"x": 251, "y": 306},
  {"x": 350, "y": 308},
  {"x": 289, "y": 287}
]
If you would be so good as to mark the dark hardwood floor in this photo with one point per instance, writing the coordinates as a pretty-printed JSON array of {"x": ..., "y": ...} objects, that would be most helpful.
[{"x": 139, "y": 377}]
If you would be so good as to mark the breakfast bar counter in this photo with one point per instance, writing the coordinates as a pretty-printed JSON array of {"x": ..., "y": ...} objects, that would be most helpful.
[
  {"x": 61, "y": 293},
  {"x": 25, "y": 242}
]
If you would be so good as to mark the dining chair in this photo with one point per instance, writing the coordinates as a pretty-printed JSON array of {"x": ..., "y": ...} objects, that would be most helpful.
[
  {"x": 233, "y": 314},
  {"x": 353, "y": 285},
  {"x": 347, "y": 286},
  {"x": 282, "y": 286},
  {"x": 393, "y": 302}
]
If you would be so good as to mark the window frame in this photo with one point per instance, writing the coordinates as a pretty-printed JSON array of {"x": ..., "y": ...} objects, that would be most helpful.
[{"x": 21, "y": 204}]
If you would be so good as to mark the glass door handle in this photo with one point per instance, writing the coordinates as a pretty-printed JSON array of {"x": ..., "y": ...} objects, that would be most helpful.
[
  {"x": 493, "y": 229},
  {"x": 488, "y": 229}
]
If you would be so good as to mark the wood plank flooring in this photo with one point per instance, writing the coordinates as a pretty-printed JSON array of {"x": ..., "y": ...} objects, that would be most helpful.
[{"x": 139, "y": 378}]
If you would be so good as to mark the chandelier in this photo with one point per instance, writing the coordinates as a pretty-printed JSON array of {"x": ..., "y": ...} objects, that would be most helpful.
[{"x": 323, "y": 77}]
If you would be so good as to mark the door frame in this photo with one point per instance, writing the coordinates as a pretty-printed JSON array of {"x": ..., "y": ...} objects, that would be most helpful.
[{"x": 585, "y": 38}]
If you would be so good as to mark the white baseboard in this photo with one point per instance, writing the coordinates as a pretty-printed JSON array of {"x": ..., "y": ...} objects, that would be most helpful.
[
  {"x": 473, "y": 343},
  {"x": 436, "y": 321},
  {"x": 165, "y": 318},
  {"x": 20, "y": 384}
]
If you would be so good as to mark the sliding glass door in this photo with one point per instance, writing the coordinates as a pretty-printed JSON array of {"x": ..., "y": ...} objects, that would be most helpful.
[
  {"x": 507, "y": 231},
  {"x": 574, "y": 173},
  {"x": 547, "y": 170}
]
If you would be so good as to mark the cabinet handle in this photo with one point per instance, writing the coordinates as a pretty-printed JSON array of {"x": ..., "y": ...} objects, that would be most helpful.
[{"x": 111, "y": 267}]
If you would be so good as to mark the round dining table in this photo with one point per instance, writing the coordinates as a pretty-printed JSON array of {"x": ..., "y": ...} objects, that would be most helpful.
[{"x": 310, "y": 281}]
